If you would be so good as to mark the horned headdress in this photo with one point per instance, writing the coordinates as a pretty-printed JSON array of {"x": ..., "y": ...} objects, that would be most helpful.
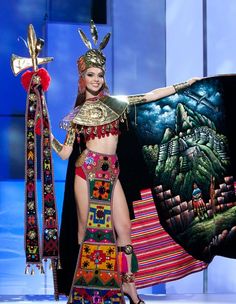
[{"x": 94, "y": 56}]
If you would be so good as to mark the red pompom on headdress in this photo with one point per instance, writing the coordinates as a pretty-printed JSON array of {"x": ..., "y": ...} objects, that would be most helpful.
[{"x": 42, "y": 73}]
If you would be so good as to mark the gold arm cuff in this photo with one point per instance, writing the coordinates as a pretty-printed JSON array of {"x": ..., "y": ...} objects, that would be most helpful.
[
  {"x": 57, "y": 146},
  {"x": 70, "y": 137},
  {"x": 181, "y": 86},
  {"x": 136, "y": 99}
]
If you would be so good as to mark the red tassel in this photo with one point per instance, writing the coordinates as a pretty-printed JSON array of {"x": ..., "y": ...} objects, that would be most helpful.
[{"x": 124, "y": 264}]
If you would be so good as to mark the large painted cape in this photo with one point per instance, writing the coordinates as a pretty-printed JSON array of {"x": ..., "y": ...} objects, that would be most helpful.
[
  {"x": 187, "y": 142},
  {"x": 180, "y": 148}
]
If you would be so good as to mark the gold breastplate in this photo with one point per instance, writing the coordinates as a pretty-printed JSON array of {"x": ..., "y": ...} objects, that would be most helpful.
[{"x": 102, "y": 111}]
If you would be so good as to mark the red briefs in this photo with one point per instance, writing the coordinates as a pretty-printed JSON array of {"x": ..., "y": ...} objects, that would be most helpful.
[{"x": 80, "y": 172}]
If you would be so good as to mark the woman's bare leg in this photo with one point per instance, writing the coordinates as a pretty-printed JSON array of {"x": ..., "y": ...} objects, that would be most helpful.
[
  {"x": 122, "y": 226},
  {"x": 82, "y": 205}
]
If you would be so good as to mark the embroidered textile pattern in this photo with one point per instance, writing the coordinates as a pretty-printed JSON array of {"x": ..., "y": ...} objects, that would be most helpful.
[
  {"x": 36, "y": 107},
  {"x": 96, "y": 278}
]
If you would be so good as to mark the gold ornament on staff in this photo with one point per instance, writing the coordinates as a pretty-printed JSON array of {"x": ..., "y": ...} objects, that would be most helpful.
[{"x": 35, "y": 45}]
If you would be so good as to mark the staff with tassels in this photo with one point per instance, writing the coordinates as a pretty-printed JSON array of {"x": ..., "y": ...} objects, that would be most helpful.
[{"x": 37, "y": 122}]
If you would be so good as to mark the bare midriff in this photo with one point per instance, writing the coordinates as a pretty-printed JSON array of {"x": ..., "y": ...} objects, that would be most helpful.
[{"x": 105, "y": 145}]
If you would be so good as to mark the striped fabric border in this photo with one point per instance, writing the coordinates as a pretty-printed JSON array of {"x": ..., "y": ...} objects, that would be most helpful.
[{"x": 160, "y": 258}]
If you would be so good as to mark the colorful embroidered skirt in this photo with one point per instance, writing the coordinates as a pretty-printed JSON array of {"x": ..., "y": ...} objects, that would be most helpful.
[{"x": 96, "y": 278}]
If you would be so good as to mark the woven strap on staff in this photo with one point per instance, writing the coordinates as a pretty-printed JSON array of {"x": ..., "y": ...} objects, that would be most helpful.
[{"x": 37, "y": 115}]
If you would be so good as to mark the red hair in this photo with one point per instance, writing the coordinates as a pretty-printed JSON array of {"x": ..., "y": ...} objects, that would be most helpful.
[{"x": 82, "y": 85}]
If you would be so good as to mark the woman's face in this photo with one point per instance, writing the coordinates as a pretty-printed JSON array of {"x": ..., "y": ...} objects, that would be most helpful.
[{"x": 94, "y": 80}]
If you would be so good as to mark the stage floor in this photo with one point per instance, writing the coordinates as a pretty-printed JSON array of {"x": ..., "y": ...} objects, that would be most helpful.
[{"x": 149, "y": 299}]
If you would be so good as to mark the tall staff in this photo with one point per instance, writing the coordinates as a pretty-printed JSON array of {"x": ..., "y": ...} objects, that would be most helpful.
[{"x": 37, "y": 122}]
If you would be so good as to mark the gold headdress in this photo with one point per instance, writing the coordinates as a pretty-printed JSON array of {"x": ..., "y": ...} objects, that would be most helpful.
[{"x": 93, "y": 57}]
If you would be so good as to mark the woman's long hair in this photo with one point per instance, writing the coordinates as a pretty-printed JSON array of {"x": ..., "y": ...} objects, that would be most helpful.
[{"x": 80, "y": 99}]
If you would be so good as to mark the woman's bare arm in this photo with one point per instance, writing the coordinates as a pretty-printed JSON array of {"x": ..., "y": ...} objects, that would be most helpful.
[{"x": 160, "y": 92}]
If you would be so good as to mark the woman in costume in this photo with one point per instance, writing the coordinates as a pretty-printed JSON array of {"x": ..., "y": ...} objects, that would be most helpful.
[{"x": 93, "y": 174}]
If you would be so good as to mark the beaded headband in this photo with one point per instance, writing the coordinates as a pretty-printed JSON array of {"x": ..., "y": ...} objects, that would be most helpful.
[{"x": 93, "y": 57}]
